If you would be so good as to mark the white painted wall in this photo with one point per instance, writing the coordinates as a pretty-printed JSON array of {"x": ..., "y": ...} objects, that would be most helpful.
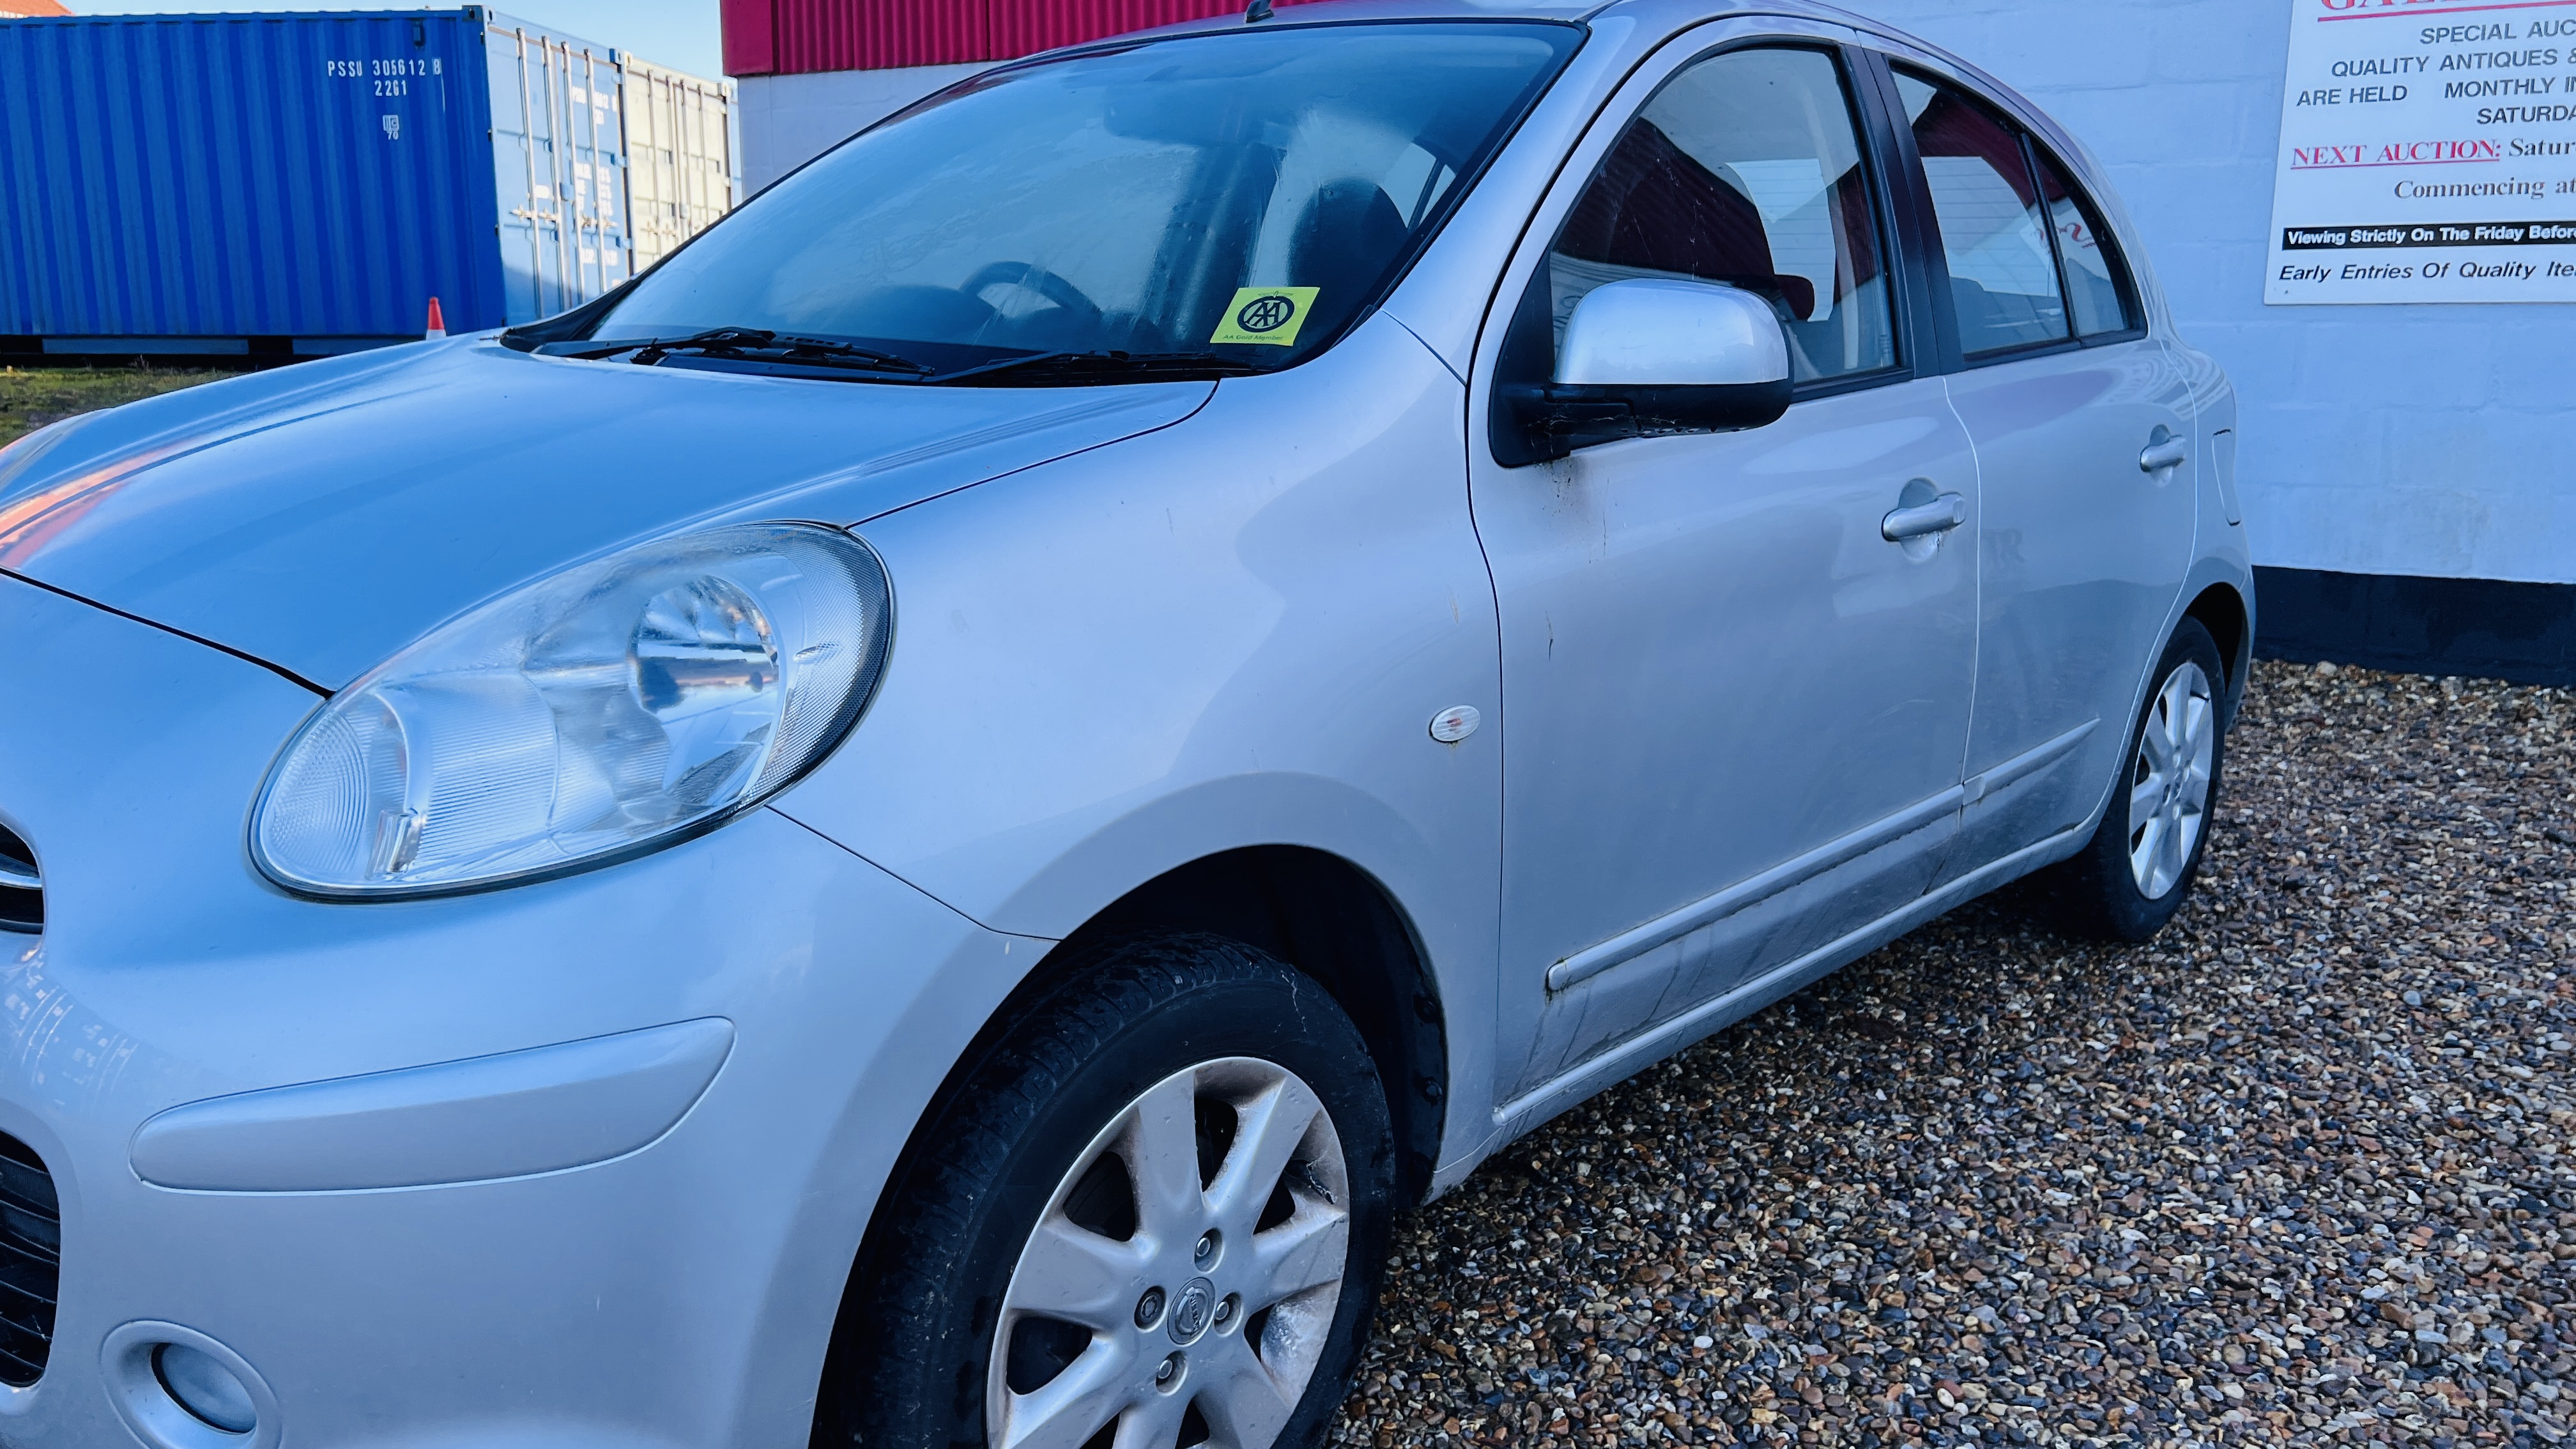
[
  {"x": 2432, "y": 440},
  {"x": 788, "y": 120}
]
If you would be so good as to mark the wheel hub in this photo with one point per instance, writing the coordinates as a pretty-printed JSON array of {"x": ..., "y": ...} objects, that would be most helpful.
[
  {"x": 1192, "y": 1311},
  {"x": 2170, "y": 780},
  {"x": 1189, "y": 1267}
]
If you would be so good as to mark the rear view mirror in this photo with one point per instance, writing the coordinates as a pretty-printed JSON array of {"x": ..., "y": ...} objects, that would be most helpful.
[{"x": 1649, "y": 356}]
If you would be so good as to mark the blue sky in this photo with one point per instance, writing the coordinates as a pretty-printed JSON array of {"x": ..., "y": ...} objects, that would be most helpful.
[{"x": 682, "y": 34}]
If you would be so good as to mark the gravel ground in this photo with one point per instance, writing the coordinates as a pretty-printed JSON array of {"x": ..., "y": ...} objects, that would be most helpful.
[{"x": 2291, "y": 1173}]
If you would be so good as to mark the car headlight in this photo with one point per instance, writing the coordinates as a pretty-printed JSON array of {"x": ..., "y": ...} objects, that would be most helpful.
[{"x": 620, "y": 705}]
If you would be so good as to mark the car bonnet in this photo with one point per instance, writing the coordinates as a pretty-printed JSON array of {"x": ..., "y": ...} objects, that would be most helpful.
[{"x": 321, "y": 517}]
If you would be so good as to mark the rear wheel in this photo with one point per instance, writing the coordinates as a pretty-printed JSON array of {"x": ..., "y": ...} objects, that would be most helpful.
[
  {"x": 2142, "y": 861},
  {"x": 1153, "y": 1215}
]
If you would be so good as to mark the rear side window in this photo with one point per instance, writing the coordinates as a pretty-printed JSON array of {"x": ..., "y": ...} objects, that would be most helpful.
[
  {"x": 2029, "y": 261},
  {"x": 2003, "y": 273}
]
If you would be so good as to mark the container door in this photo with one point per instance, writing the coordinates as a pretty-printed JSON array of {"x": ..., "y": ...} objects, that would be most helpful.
[
  {"x": 679, "y": 157},
  {"x": 559, "y": 149},
  {"x": 597, "y": 94}
]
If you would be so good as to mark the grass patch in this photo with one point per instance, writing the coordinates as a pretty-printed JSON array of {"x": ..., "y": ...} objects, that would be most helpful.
[{"x": 33, "y": 397}]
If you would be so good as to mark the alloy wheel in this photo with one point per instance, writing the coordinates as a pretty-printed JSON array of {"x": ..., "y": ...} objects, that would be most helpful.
[
  {"x": 2169, "y": 781},
  {"x": 1180, "y": 1287}
]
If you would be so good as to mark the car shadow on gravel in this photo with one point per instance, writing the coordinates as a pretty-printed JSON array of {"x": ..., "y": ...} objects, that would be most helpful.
[{"x": 2290, "y": 1173}]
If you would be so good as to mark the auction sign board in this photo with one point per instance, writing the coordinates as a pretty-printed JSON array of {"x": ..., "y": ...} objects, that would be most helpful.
[{"x": 2428, "y": 153}]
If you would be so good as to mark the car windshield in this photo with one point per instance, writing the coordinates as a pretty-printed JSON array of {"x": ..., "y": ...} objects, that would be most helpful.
[{"x": 1204, "y": 205}]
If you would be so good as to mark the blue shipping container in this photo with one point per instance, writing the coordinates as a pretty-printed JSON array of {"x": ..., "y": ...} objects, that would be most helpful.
[{"x": 266, "y": 183}]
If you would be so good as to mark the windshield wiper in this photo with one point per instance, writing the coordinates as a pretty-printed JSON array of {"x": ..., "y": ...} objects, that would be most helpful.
[
  {"x": 1081, "y": 366},
  {"x": 749, "y": 344},
  {"x": 757, "y": 345}
]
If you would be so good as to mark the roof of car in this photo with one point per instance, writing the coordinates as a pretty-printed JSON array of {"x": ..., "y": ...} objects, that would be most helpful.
[{"x": 1307, "y": 12}]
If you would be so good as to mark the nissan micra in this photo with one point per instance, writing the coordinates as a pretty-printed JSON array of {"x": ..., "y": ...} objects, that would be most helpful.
[{"x": 913, "y": 829}]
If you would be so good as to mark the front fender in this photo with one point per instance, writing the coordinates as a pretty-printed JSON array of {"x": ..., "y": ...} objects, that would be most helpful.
[{"x": 1232, "y": 632}]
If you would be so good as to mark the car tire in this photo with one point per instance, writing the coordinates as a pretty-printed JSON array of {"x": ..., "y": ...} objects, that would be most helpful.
[
  {"x": 2141, "y": 863},
  {"x": 1024, "y": 1278}
]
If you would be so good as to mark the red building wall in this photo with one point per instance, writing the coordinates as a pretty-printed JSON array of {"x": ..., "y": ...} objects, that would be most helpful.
[{"x": 793, "y": 37}]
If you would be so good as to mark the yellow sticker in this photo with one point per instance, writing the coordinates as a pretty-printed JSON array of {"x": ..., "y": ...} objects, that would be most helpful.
[{"x": 1266, "y": 314}]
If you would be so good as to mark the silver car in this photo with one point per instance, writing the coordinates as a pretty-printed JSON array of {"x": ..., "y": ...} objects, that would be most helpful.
[{"x": 916, "y": 828}]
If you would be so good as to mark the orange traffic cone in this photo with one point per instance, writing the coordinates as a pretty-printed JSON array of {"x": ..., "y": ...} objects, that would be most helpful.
[{"x": 437, "y": 323}]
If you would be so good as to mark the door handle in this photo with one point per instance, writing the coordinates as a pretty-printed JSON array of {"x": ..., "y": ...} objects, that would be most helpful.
[
  {"x": 1923, "y": 520},
  {"x": 2164, "y": 454}
]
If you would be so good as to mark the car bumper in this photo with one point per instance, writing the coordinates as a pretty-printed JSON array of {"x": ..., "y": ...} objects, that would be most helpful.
[{"x": 566, "y": 1265}]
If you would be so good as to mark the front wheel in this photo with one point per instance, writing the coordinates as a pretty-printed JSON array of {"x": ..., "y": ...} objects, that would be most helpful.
[
  {"x": 1152, "y": 1216},
  {"x": 2140, "y": 865}
]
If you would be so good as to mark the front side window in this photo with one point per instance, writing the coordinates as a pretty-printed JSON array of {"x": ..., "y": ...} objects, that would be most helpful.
[
  {"x": 1744, "y": 170},
  {"x": 1223, "y": 203}
]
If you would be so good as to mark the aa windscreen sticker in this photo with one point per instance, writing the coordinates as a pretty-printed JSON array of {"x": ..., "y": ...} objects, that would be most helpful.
[{"x": 1266, "y": 314}]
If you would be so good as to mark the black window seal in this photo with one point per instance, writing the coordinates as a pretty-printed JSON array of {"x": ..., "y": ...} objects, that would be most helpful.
[
  {"x": 1940, "y": 347},
  {"x": 2138, "y": 333},
  {"x": 2124, "y": 280},
  {"x": 1836, "y": 386},
  {"x": 1924, "y": 339},
  {"x": 2019, "y": 352},
  {"x": 2048, "y": 224}
]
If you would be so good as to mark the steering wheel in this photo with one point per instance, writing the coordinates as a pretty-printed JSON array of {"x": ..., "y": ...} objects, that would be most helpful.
[{"x": 1036, "y": 279}]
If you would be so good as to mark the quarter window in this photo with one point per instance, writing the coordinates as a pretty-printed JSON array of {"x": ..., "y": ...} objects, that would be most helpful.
[
  {"x": 2096, "y": 285},
  {"x": 1744, "y": 170}
]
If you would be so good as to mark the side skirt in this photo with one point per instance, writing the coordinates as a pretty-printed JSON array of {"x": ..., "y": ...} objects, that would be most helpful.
[
  {"x": 1627, "y": 946},
  {"x": 1534, "y": 1109}
]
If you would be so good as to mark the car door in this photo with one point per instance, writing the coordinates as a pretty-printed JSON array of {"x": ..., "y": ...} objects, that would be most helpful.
[
  {"x": 2084, "y": 435},
  {"x": 1733, "y": 710}
]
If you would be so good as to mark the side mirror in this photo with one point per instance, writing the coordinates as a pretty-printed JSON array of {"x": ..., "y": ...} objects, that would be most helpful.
[{"x": 1649, "y": 356}]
